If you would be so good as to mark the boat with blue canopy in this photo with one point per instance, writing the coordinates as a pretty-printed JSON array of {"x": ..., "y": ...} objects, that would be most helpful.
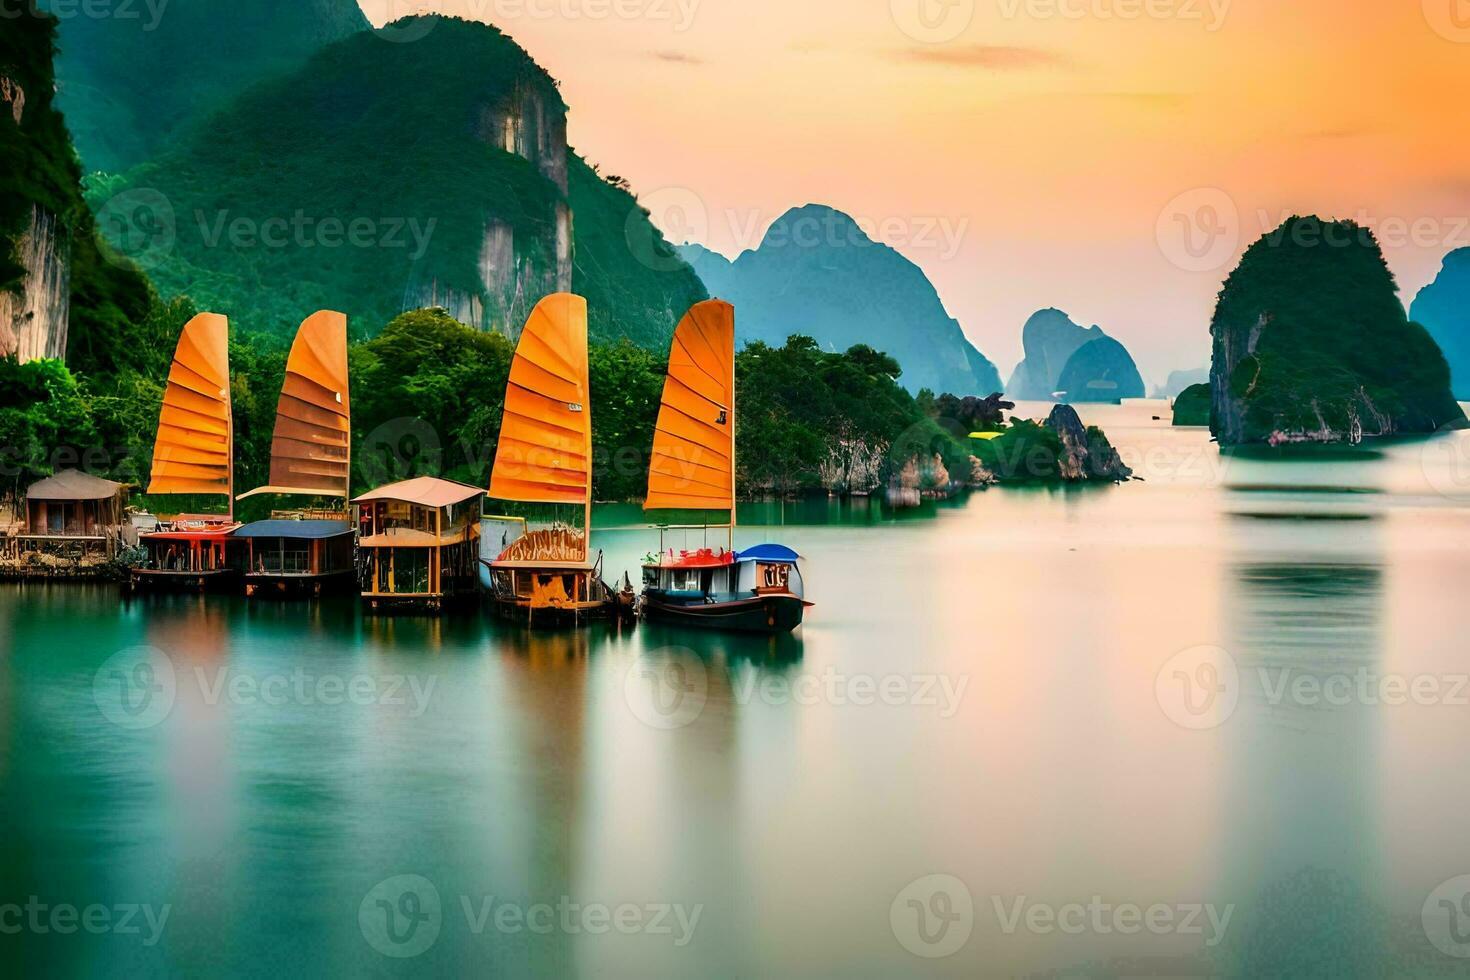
[{"x": 759, "y": 589}]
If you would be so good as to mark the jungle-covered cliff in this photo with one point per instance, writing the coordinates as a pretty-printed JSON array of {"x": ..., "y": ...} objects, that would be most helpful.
[
  {"x": 383, "y": 177},
  {"x": 1311, "y": 344},
  {"x": 59, "y": 294}
]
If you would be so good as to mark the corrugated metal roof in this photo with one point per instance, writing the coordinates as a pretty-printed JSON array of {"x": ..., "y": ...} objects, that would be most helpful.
[
  {"x": 428, "y": 491},
  {"x": 293, "y": 529},
  {"x": 73, "y": 485}
]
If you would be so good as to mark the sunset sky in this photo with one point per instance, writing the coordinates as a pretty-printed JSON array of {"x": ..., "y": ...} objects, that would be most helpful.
[{"x": 1026, "y": 153}]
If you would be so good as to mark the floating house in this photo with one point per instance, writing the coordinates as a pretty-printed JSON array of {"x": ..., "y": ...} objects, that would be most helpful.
[
  {"x": 295, "y": 557},
  {"x": 418, "y": 543},
  {"x": 194, "y": 454},
  {"x": 74, "y": 514},
  {"x": 310, "y": 457},
  {"x": 544, "y": 456}
]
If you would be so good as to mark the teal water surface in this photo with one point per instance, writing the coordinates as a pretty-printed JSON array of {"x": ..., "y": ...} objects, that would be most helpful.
[{"x": 1209, "y": 724}]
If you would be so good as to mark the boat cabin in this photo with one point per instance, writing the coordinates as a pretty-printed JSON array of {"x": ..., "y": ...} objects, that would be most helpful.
[
  {"x": 296, "y": 557},
  {"x": 74, "y": 512},
  {"x": 190, "y": 547},
  {"x": 717, "y": 574},
  {"x": 418, "y": 543}
]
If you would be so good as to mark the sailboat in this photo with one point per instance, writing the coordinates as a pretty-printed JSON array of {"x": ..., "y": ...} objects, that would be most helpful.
[
  {"x": 693, "y": 468},
  {"x": 307, "y": 552},
  {"x": 545, "y": 575},
  {"x": 193, "y": 453}
]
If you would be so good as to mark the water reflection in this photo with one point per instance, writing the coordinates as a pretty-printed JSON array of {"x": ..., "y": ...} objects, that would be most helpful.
[{"x": 1302, "y": 633}]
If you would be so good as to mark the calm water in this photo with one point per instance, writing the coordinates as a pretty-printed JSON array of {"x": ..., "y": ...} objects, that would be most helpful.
[{"x": 1160, "y": 729}]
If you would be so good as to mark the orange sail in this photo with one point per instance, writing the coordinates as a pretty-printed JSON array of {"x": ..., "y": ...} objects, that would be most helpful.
[
  {"x": 193, "y": 452},
  {"x": 693, "y": 463},
  {"x": 309, "y": 451},
  {"x": 545, "y": 449}
]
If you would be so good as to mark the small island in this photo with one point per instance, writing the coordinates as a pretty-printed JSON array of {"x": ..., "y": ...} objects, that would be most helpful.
[{"x": 1311, "y": 344}]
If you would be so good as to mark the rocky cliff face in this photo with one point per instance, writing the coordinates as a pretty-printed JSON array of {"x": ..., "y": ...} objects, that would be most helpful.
[
  {"x": 817, "y": 273},
  {"x": 1311, "y": 344},
  {"x": 34, "y": 316},
  {"x": 1049, "y": 339},
  {"x": 1086, "y": 453},
  {"x": 1443, "y": 307}
]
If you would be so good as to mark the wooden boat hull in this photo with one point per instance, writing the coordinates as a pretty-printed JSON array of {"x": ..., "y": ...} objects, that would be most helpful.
[
  {"x": 521, "y": 611},
  {"x": 758, "y": 614},
  {"x": 266, "y": 586},
  {"x": 168, "y": 580}
]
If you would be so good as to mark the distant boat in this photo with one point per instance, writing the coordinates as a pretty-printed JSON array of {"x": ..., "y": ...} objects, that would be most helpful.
[
  {"x": 693, "y": 468},
  {"x": 546, "y": 575},
  {"x": 307, "y": 552},
  {"x": 193, "y": 453}
]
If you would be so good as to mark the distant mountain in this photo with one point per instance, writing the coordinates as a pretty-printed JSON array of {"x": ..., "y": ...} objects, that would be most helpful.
[
  {"x": 128, "y": 80},
  {"x": 1052, "y": 343},
  {"x": 382, "y": 177},
  {"x": 1180, "y": 380},
  {"x": 1100, "y": 370},
  {"x": 1443, "y": 307},
  {"x": 1311, "y": 344},
  {"x": 1048, "y": 341},
  {"x": 817, "y": 273}
]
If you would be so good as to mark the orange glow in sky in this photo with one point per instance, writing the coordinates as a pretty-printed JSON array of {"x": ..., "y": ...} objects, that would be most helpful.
[{"x": 1108, "y": 157}]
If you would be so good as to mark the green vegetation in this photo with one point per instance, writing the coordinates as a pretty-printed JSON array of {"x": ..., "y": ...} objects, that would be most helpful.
[
  {"x": 427, "y": 389},
  {"x": 376, "y": 177},
  {"x": 637, "y": 287},
  {"x": 1312, "y": 343},
  {"x": 38, "y": 170},
  {"x": 428, "y": 393},
  {"x": 141, "y": 70},
  {"x": 1192, "y": 406},
  {"x": 1031, "y": 452}
]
